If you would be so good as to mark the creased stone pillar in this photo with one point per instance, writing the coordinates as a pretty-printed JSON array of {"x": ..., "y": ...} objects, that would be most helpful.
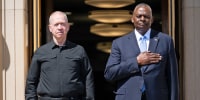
[
  {"x": 13, "y": 53},
  {"x": 191, "y": 49}
]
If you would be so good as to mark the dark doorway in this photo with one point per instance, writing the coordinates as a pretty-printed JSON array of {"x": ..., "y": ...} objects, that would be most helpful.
[{"x": 79, "y": 33}]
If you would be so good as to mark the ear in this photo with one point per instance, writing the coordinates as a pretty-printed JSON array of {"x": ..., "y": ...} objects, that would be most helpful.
[
  {"x": 68, "y": 26},
  {"x": 132, "y": 20},
  {"x": 49, "y": 26}
]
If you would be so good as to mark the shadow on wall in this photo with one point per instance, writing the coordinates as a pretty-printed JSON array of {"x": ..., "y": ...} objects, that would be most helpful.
[
  {"x": 5, "y": 55},
  {"x": 4, "y": 58}
]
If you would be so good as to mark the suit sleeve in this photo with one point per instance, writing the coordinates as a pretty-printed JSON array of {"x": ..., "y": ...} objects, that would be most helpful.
[
  {"x": 116, "y": 68},
  {"x": 173, "y": 72}
]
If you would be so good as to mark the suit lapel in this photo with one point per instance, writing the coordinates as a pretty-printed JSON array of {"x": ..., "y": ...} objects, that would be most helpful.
[
  {"x": 154, "y": 39},
  {"x": 133, "y": 43}
]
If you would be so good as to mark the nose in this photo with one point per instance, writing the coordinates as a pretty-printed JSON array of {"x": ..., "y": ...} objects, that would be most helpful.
[
  {"x": 142, "y": 17},
  {"x": 59, "y": 26}
]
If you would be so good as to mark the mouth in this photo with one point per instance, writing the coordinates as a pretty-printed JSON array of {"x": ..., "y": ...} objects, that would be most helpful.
[
  {"x": 60, "y": 32},
  {"x": 141, "y": 24}
]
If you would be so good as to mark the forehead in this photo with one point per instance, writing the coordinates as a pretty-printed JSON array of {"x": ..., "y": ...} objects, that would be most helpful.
[
  {"x": 57, "y": 18},
  {"x": 142, "y": 10}
]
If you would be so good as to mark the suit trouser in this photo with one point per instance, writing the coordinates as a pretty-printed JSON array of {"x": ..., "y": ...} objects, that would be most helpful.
[{"x": 144, "y": 96}]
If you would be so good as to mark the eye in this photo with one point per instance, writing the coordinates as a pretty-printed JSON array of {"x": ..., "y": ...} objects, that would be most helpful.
[
  {"x": 56, "y": 25},
  {"x": 61, "y": 24},
  {"x": 138, "y": 16},
  {"x": 148, "y": 17},
  {"x": 145, "y": 16}
]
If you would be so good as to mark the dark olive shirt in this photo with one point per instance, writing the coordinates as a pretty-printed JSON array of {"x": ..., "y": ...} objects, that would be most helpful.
[{"x": 60, "y": 72}]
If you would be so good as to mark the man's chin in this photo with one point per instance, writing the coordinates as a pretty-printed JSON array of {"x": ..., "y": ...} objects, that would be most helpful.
[
  {"x": 142, "y": 30},
  {"x": 59, "y": 36},
  {"x": 60, "y": 33}
]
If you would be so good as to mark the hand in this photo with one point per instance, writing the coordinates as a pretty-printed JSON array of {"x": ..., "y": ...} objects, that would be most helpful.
[{"x": 147, "y": 57}]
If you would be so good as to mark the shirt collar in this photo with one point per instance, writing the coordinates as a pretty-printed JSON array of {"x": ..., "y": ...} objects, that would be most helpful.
[
  {"x": 138, "y": 35},
  {"x": 53, "y": 45}
]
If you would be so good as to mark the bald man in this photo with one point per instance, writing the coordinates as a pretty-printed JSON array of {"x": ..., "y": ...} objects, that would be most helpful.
[{"x": 60, "y": 69}]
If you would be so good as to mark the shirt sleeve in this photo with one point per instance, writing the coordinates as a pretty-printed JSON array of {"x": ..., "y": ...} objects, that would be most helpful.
[
  {"x": 89, "y": 78},
  {"x": 32, "y": 79}
]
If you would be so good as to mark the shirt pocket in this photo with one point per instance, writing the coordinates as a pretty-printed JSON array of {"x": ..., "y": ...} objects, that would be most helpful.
[
  {"x": 72, "y": 62},
  {"x": 47, "y": 57},
  {"x": 48, "y": 62}
]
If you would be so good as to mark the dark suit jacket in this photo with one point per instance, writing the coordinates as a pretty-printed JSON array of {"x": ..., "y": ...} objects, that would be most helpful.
[{"x": 161, "y": 79}]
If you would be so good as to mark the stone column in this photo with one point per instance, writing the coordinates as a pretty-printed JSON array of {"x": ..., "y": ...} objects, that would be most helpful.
[
  {"x": 13, "y": 52},
  {"x": 191, "y": 49}
]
